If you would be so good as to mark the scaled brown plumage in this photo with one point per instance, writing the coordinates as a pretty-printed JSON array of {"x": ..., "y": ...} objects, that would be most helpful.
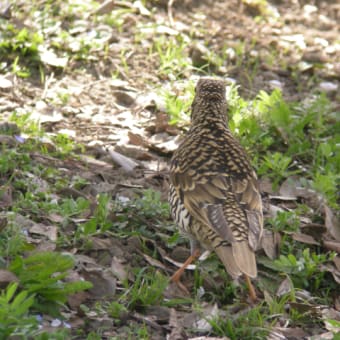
[{"x": 214, "y": 195}]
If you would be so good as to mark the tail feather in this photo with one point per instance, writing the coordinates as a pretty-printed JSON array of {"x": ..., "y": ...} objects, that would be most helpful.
[
  {"x": 225, "y": 254},
  {"x": 244, "y": 258}
]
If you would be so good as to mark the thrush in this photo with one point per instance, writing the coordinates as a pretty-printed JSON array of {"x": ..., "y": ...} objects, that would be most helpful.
[{"x": 214, "y": 193}]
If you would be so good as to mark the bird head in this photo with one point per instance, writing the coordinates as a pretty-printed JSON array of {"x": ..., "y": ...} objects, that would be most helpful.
[{"x": 210, "y": 100}]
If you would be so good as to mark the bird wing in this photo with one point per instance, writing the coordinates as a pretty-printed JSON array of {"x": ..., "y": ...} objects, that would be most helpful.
[
  {"x": 204, "y": 198},
  {"x": 208, "y": 199},
  {"x": 247, "y": 193}
]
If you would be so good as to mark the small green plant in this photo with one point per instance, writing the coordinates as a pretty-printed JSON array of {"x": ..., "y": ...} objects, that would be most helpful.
[
  {"x": 117, "y": 310},
  {"x": 20, "y": 48},
  {"x": 151, "y": 205},
  {"x": 14, "y": 308},
  {"x": 12, "y": 240},
  {"x": 42, "y": 274},
  {"x": 250, "y": 325},
  {"x": 276, "y": 166},
  {"x": 147, "y": 290},
  {"x": 285, "y": 221},
  {"x": 178, "y": 107},
  {"x": 26, "y": 124},
  {"x": 100, "y": 221},
  {"x": 172, "y": 55},
  {"x": 72, "y": 207},
  {"x": 305, "y": 269}
]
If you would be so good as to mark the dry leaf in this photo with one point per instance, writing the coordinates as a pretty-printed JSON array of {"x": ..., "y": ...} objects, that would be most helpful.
[
  {"x": 154, "y": 262},
  {"x": 209, "y": 313},
  {"x": 273, "y": 210},
  {"x": 5, "y": 196},
  {"x": 304, "y": 238},
  {"x": 270, "y": 243},
  {"x": 289, "y": 333},
  {"x": 285, "y": 287},
  {"x": 100, "y": 243},
  {"x": 118, "y": 269},
  {"x": 7, "y": 277},
  {"x": 105, "y": 8},
  {"x": 104, "y": 282},
  {"x": 136, "y": 139},
  {"x": 175, "y": 325},
  {"x": 288, "y": 188},
  {"x": 50, "y": 232},
  {"x": 125, "y": 162},
  {"x": 336, "y": 261},
  {"x": 332, "y": 245},
  {"x": 332, "y": 223},
  {"x": 329, "y": 267},
  {"x": 3, "y": 222}
]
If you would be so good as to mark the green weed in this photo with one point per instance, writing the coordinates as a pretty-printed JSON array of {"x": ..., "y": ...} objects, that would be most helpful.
[
  {"x": 42, "y": 274},
  {"x": 251, "y": 325},
  {"x": 172, "y": 55},
  {"x": 14, "y": 319},
  {"x": 178, "y": 107},
  {"x": 304, "y": 269},
  {"x": 147, "y": 290}
]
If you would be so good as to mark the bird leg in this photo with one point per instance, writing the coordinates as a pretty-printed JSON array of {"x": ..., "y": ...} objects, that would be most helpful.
[
  {"x": 190, "y": 259},
  {"x": 252, "y": 293}
]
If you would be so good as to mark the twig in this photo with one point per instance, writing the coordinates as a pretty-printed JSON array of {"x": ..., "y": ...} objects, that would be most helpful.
[{"x": 170, "y": 16}]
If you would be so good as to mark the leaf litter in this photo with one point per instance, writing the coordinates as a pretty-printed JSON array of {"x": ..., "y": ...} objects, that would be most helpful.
[{"x": 121, "y": 117}]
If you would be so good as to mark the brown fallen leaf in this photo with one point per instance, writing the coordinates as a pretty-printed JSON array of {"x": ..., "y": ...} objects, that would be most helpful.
[
  {"x": 46, "y": 245},
  {"x": 104, "y": 282},
  {"x": 208, "y": 312},
  {"x": 336, "y": 261},
  {"x": 285, "y": 287},
  {"x": 154, "y": 262},
  {"x": 75, "y": 300},
  {"x": 126, "y": 163},
  {"x": 5, "y": 196},
  {"x": 313, "y": 229},
  {"x": 331, "y": 268},
  {"x": 288, "y": 188},
  {"x": 304, "y": 238},
  {"x": 7, "y": 277},
  {"x": 332, "y": 223},
  {"x": 289, "y": 333},
  {"x": 3, "y": 222},
  {"x": 98, "y": 243},
  {"x": 51, "y": 232},
  {"x": 175, "y": 325},
  {"x": 332, "y": 245},
  {"x": 270, "y": 243},
  {"x": 8, "y": 141},
  {"x": 266, "y": 185},
  {"x": 119, "y": 269},
  {"x": 54, "y": 217},
  {"x": 137, "y": 139}
]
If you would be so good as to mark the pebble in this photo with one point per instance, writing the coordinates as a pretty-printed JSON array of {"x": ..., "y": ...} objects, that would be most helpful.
[{"x": 328, "y": 86}]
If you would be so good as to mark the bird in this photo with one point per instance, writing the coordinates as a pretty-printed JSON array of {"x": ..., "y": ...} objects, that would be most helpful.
[{"x": 214, "y": 194}]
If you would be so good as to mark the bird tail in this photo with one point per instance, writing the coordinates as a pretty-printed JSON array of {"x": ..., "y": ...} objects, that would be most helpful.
[
  {"x": 244, "y": 257},
  {"x": 238, "y": 258},
  {"x": 225, "y": 254}
]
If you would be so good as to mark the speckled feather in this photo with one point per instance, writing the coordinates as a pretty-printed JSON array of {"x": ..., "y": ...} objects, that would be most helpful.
[{"x": 214, "y": 194}]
